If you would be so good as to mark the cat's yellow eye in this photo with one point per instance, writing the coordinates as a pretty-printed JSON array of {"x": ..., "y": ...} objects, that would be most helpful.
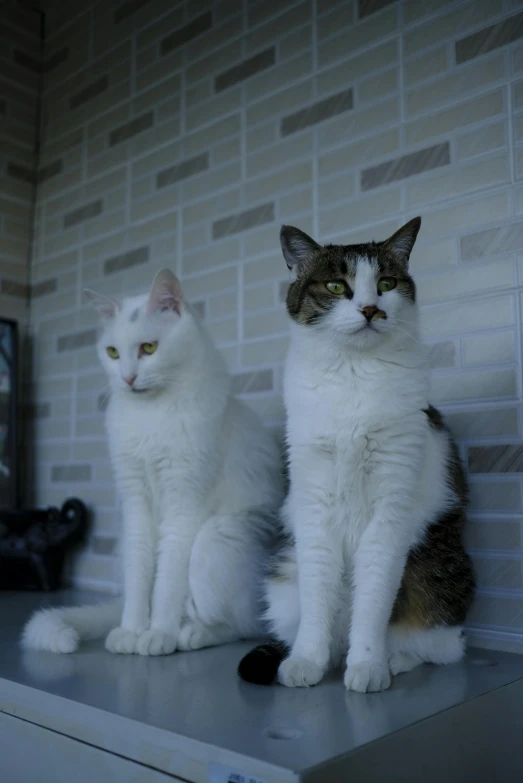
[
  {"x": 335, "y": 287},
  {"x": 112, "y": 352},
  {"x": 386, "y": 284},
  {"x": 149, "y": 348}
]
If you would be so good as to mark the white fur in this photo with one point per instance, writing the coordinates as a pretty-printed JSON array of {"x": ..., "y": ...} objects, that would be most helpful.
[
  {"x": 367, "y": 475},
  {"x": 60, "y": 630},
  {"x": 200, "y": 481}
]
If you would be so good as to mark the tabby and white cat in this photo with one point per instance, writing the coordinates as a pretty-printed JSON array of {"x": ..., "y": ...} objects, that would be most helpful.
[
  {"x": 200, "y": 481},
  {"x": 374, "y": 567}
]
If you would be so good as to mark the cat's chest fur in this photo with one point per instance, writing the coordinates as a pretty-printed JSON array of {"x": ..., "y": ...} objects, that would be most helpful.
[
  {"x": 140, "y": 429},
  {"x": 347, "y": 413},
  {"x": 344, "y": 403},
  {"x": 153, "y": 432}
]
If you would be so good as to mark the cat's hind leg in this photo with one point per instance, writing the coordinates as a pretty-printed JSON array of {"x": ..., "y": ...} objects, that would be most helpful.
[
  {"x": 225, "y": 576},
  {"x": 282, "y": 597},
  {"x": 194, "y": 635},
  {"x": 435, "y": 593},
  {"x": 409, "y": 647}
]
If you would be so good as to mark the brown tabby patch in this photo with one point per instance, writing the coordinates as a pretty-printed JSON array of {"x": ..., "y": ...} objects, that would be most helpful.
[{"x": 438, "y": 582}]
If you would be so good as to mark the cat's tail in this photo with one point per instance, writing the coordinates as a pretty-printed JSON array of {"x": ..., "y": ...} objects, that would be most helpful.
[
  {"x": 60, "y": 630},
  {"x": 260, "y": 665}
]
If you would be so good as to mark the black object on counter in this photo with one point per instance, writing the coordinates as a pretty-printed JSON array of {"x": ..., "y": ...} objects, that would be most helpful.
[{"x": 34, "y": 542}]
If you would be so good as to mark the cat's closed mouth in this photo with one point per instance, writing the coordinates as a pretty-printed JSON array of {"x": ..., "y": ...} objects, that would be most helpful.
[{"x": 367, "y": 327}]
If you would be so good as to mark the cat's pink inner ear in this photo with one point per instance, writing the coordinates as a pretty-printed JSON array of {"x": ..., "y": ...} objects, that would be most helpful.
[
  {"x": 107, "y": 308},
  {"x": 166, "y": 294}
]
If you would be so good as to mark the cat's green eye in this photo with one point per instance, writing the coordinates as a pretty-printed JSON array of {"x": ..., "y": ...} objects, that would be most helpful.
[
  {"x": 335, "y": 287},
  {"x": 386, "y": 284},
  {"x": 112, "y": 352},
  {"x": 149, "y": 348}
]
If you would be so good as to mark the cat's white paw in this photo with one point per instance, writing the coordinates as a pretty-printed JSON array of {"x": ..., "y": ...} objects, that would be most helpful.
[
  {"x": 297, "y": 672},
  {"x": 400, "y": 662},
  {"x": 367, "y": 676},
  {"x": 121, "y": 640},
  {"x": 192, "y": 636},
  {"x": 155, "y": 642}
]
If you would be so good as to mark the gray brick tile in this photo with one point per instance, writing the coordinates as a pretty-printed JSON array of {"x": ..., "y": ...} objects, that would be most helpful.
[
  {"x": 495, "y": 496},
  {"x": 14, "y": 288},
  {"x": 56, "y": 59},
  {"x": 492, "y": 37},
  {"x": 89, "y": 92},
  {"x": 71, "y": 473},
  {"x": 13, "y": 94},
  {"x": 132, "y": 128},
  {"x": 501, "y": 535},
  {"x": 250, "y": 382},
  {"x": 104, "y": 545},
  {"x": 442, "y": 355},
  {"x": 406, "y": 166},
  {"x": 243, "y": 221},
  {"x": 71, "y": 342},
  {"x": 492, "y": 241},
  {"x": 43, "y": 288},
  {"x": 483, "y": 424},
  {"x": 21, "y": 172},
  {"x": 185, "y": 34},
  {"x": 368, "y": 7},
  {"x": 23, "y": 59},
  {"x": 227, "y": 8},
  {"x": 317, "y": 112},
  {"x": 496, "y": 459},
  {"x": 200, "y": 309},
  {"x": 86, "y": 212},
  {"x": 140, "y": 255},
  {"x": 49, "y": 171},
  {"x": 246, "y": 69},
  {"x": 498, "y": 572},
  {"x": 39, "y": 410},
  {"x": 128, "y": 9},
  {"x": 103, "y": 400},
  {"x": 187, "y": 168},
  {"x": 23, "y": 20}
]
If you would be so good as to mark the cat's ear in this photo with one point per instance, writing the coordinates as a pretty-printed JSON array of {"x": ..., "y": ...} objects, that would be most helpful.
[
  {"x": 166, "y": 294},
  {"x": 107, "y": 308},
  {"x": 402, "y": 242},
  {"x": 297, "y": 247}
]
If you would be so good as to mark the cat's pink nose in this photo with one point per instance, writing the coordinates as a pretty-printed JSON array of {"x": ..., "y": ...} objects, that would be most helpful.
[
  {"x": 130, "y": 379},
  {"x": 369, "y": 312}
]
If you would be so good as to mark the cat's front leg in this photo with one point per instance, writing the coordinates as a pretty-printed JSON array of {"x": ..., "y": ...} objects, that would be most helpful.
[
  {"x": 320, "y": 567},
  {"x": 176, "y": 537},
  {"x": 320, "y": 561},
  {"x": 379, "y": 562},
  {"x": 378, "y": 568},
  {"x": 138, "y": 560}
]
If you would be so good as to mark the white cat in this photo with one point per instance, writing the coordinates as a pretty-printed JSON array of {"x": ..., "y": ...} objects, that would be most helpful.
[
  {"x": 200, "y": 481},
  {"x": 375, "y": 567}
]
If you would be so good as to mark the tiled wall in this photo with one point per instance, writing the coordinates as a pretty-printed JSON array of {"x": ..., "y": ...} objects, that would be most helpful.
[
  {"x": 20, "y": 51},
  {"x": 20, "y": 83},
  {"x": 186, "y": 133}
]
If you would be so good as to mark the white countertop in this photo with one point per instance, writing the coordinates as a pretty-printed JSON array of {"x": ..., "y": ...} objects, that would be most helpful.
[{"x": 185, "y": 713}]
